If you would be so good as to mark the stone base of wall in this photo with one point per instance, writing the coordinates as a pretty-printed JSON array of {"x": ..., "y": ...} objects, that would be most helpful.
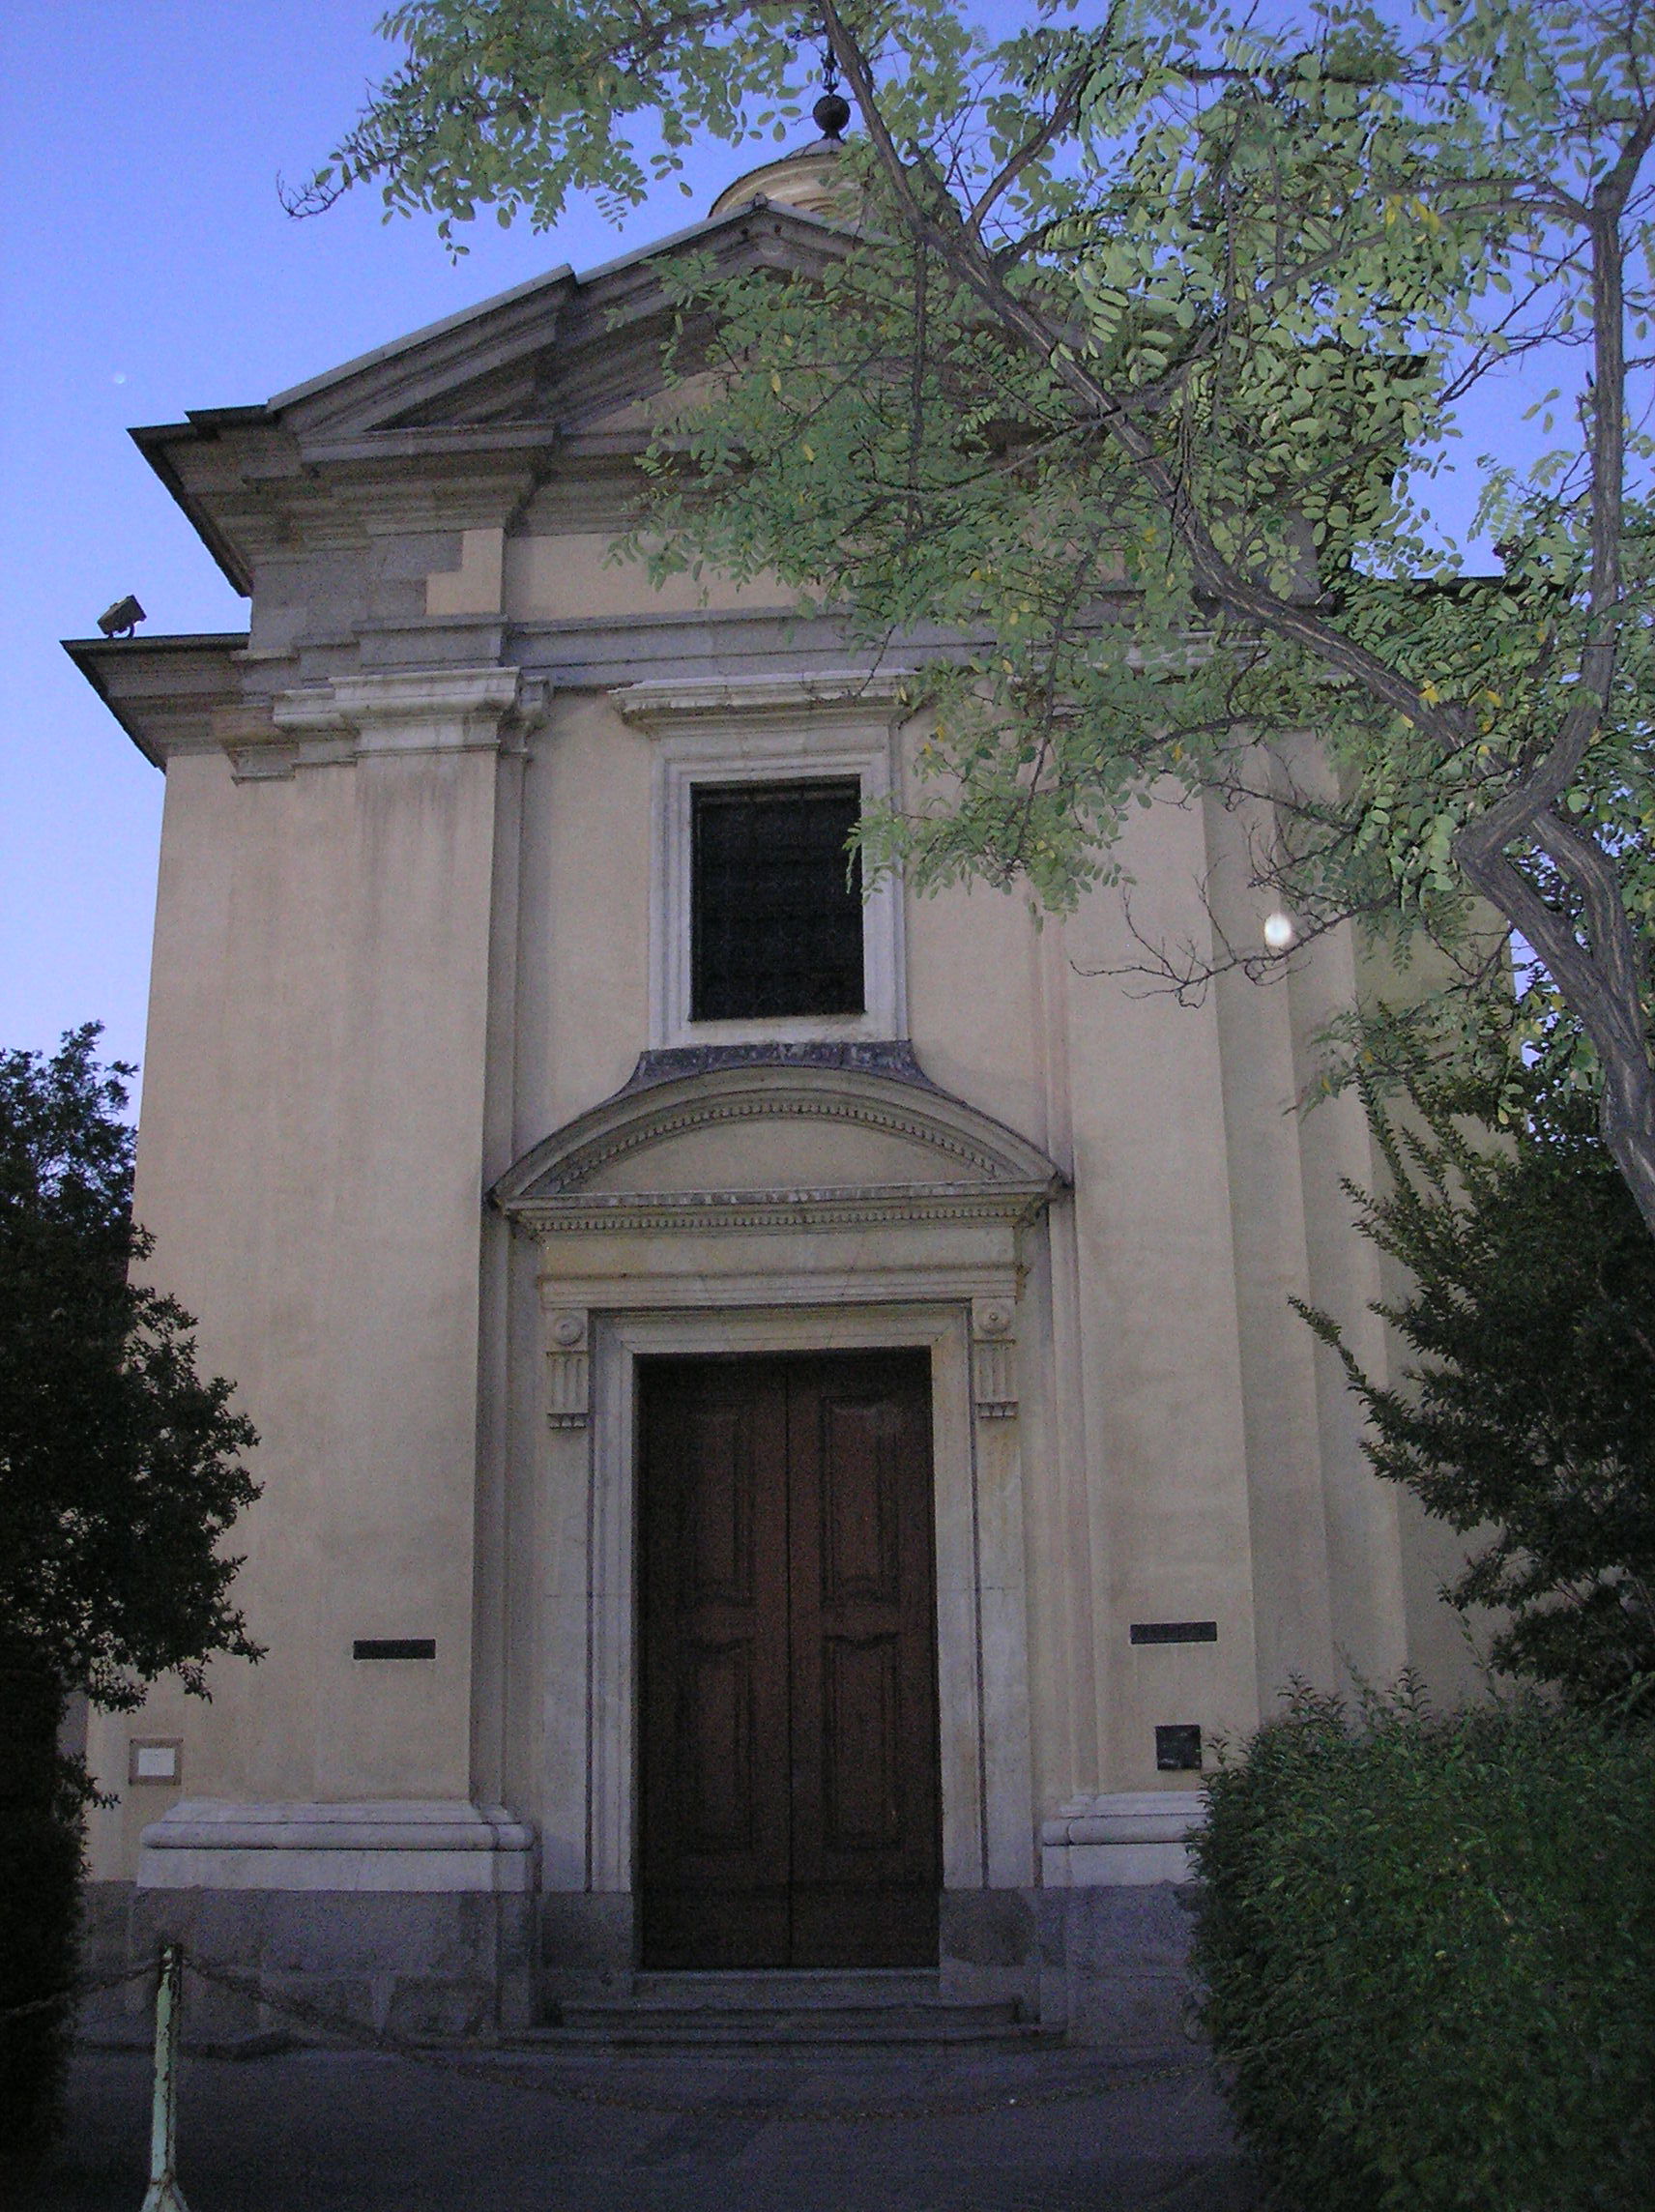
[
  {"x": 1115, "y": 1964},
  {"x": 443, "y": 1964},
  {"x": 990, "y": 1948},
  {"x": 1108, "y": 1966},
  {"x": 589, "y": 1945}
]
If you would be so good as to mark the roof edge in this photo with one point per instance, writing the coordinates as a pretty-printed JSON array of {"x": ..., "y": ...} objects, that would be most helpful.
[
  {"x": 154, "y": 441},
  {"x": 392, "y": 347},
  {"x": 565, "y": 273},
  {"x": 99, "y": 658}
]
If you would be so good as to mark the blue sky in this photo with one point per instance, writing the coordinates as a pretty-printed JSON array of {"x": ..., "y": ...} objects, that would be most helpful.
[{"x": 145, "y": 267}]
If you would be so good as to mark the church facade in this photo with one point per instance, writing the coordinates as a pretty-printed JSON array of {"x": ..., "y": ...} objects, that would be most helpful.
[{"x": 784, "y": 1443}]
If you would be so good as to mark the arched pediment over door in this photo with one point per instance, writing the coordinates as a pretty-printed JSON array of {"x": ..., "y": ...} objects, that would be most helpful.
[{"x": 819, "y": 1146}]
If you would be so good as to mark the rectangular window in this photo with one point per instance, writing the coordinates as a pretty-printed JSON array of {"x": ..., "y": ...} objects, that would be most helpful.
[{"x": 777, "y": 906}]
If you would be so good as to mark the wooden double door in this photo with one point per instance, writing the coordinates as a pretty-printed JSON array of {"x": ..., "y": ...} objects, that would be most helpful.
[{"x": 790, "y": 1799}]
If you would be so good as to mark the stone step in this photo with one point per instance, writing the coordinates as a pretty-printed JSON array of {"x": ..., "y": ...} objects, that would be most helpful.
[
  {"x": 798, "y": 2006},
  {"x": 619, "y": 2028},
  {"x": 799, "y": 1988}
]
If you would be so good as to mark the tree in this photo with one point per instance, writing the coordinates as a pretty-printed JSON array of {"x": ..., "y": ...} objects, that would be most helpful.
[
  {"x": 1530, "y": 1310},
  {"x": 1134, "y": 370},
  {"x": 119, "y": 1471}
]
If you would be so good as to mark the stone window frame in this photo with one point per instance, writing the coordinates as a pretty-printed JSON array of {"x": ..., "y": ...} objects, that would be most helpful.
[{"x": 790, "y": 729}]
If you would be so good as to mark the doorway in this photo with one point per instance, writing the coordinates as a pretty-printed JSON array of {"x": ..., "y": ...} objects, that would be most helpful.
[{"x": 790, "y": 1794}]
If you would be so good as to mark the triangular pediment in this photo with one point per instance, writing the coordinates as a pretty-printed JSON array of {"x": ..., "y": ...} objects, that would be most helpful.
[
  {"x": 477, "y": 409},
  {"x": 780, "y": 1145},
  {"x": 582, "y": 352}
]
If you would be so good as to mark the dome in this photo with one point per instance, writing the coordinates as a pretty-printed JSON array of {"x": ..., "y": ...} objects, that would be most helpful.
[{"x": 808, "y": 180}]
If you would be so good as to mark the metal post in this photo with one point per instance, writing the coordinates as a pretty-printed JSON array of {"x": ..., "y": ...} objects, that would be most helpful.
[{"x": 165, "y": 2193}]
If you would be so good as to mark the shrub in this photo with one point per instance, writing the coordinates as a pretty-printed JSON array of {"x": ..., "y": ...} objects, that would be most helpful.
[{"x": 1428, "y": 1951}]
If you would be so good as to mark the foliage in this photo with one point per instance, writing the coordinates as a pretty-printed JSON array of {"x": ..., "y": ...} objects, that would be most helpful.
[
  {"x": 118, "y": 1463},
  {"x": 40, "y": 1868},
  {"x": 1426, "y": 1945},
  {"x": 1530, "y": 1308},
  {"x": 1134, "y": 367},
  {"x": 119, "y": 1473}
]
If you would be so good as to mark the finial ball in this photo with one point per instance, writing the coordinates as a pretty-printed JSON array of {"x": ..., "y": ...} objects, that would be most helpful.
[{"x": 831, "y": 113}]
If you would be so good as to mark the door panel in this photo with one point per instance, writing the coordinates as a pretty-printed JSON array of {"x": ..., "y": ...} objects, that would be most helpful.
[
  {"x": 861, "y": 1705},
  {"x": 866, "y": 1861},
  {"x": 715, "y": 1806},
  {"x": 790, "y": 1807}
]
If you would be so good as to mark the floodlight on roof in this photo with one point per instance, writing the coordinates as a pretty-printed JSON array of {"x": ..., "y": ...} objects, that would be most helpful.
[{"x": 122, "y": 619}]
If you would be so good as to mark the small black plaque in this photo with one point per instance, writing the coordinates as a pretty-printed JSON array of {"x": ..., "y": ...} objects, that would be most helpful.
[
  {"x": 1177, "y": 1748},
  {"x": 394, "y": 1647},
  {"x": 1174, "y": 1632}
]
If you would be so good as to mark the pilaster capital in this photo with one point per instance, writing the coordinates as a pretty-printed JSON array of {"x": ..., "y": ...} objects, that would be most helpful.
[{"x": 399, "y": 711}]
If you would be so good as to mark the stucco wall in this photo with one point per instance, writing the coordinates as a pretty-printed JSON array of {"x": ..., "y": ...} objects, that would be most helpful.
[{"x": 310, "y": 1166}]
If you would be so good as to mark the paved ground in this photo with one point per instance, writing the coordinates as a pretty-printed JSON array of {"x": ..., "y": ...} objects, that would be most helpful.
[{"x": 334, "y": 2131}]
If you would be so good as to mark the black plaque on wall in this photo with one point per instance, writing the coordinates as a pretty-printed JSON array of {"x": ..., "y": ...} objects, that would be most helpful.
[{"x": 1177, "y": 1748}]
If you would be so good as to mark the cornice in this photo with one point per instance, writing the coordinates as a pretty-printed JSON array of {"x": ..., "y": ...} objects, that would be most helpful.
[
  {"x": 169, "y": 694},
  {"x": 399, "y": 696},
  {"x": 399, "y": 711},
  {"x": 665, "y": 704}
]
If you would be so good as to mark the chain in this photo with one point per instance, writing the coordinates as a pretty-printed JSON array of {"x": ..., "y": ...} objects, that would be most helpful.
[
  {"x": 383, "y": 2040},
  {"x": 81, "y": 1988}
]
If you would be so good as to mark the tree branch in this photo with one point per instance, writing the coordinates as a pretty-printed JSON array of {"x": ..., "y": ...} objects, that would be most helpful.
[{"x": 1213, "y": 574}]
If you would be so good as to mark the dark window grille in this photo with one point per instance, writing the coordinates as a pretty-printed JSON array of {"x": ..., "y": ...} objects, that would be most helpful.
[{"x": 777, "y": 923}]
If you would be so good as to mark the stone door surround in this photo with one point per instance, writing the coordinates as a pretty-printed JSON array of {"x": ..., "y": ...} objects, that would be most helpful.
[{"x": 639, "y": 1257}]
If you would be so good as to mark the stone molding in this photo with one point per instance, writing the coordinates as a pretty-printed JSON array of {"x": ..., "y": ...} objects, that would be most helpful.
[
  {"x": 726, "y": 1211},
  {"x": 993, "y": 1358},
  {"x": 400, "y": 714},
  {"x": 569, "y": 1369},
  {"x": 1007, "y": 1179},
  {"x": 988, "y": 1836},
  {"x": 853, "y": 695},
  {"x": 658, "y": 1291},
  {"x": 392, "y": 1845},
  {"x": 775, "y": 730},
  {"x": 703, "y": 1114},
  {"x": 698, "y": 1274},
  {"x": 878, "y": 1056},
  {"x": 1121, "y": 1838}
]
